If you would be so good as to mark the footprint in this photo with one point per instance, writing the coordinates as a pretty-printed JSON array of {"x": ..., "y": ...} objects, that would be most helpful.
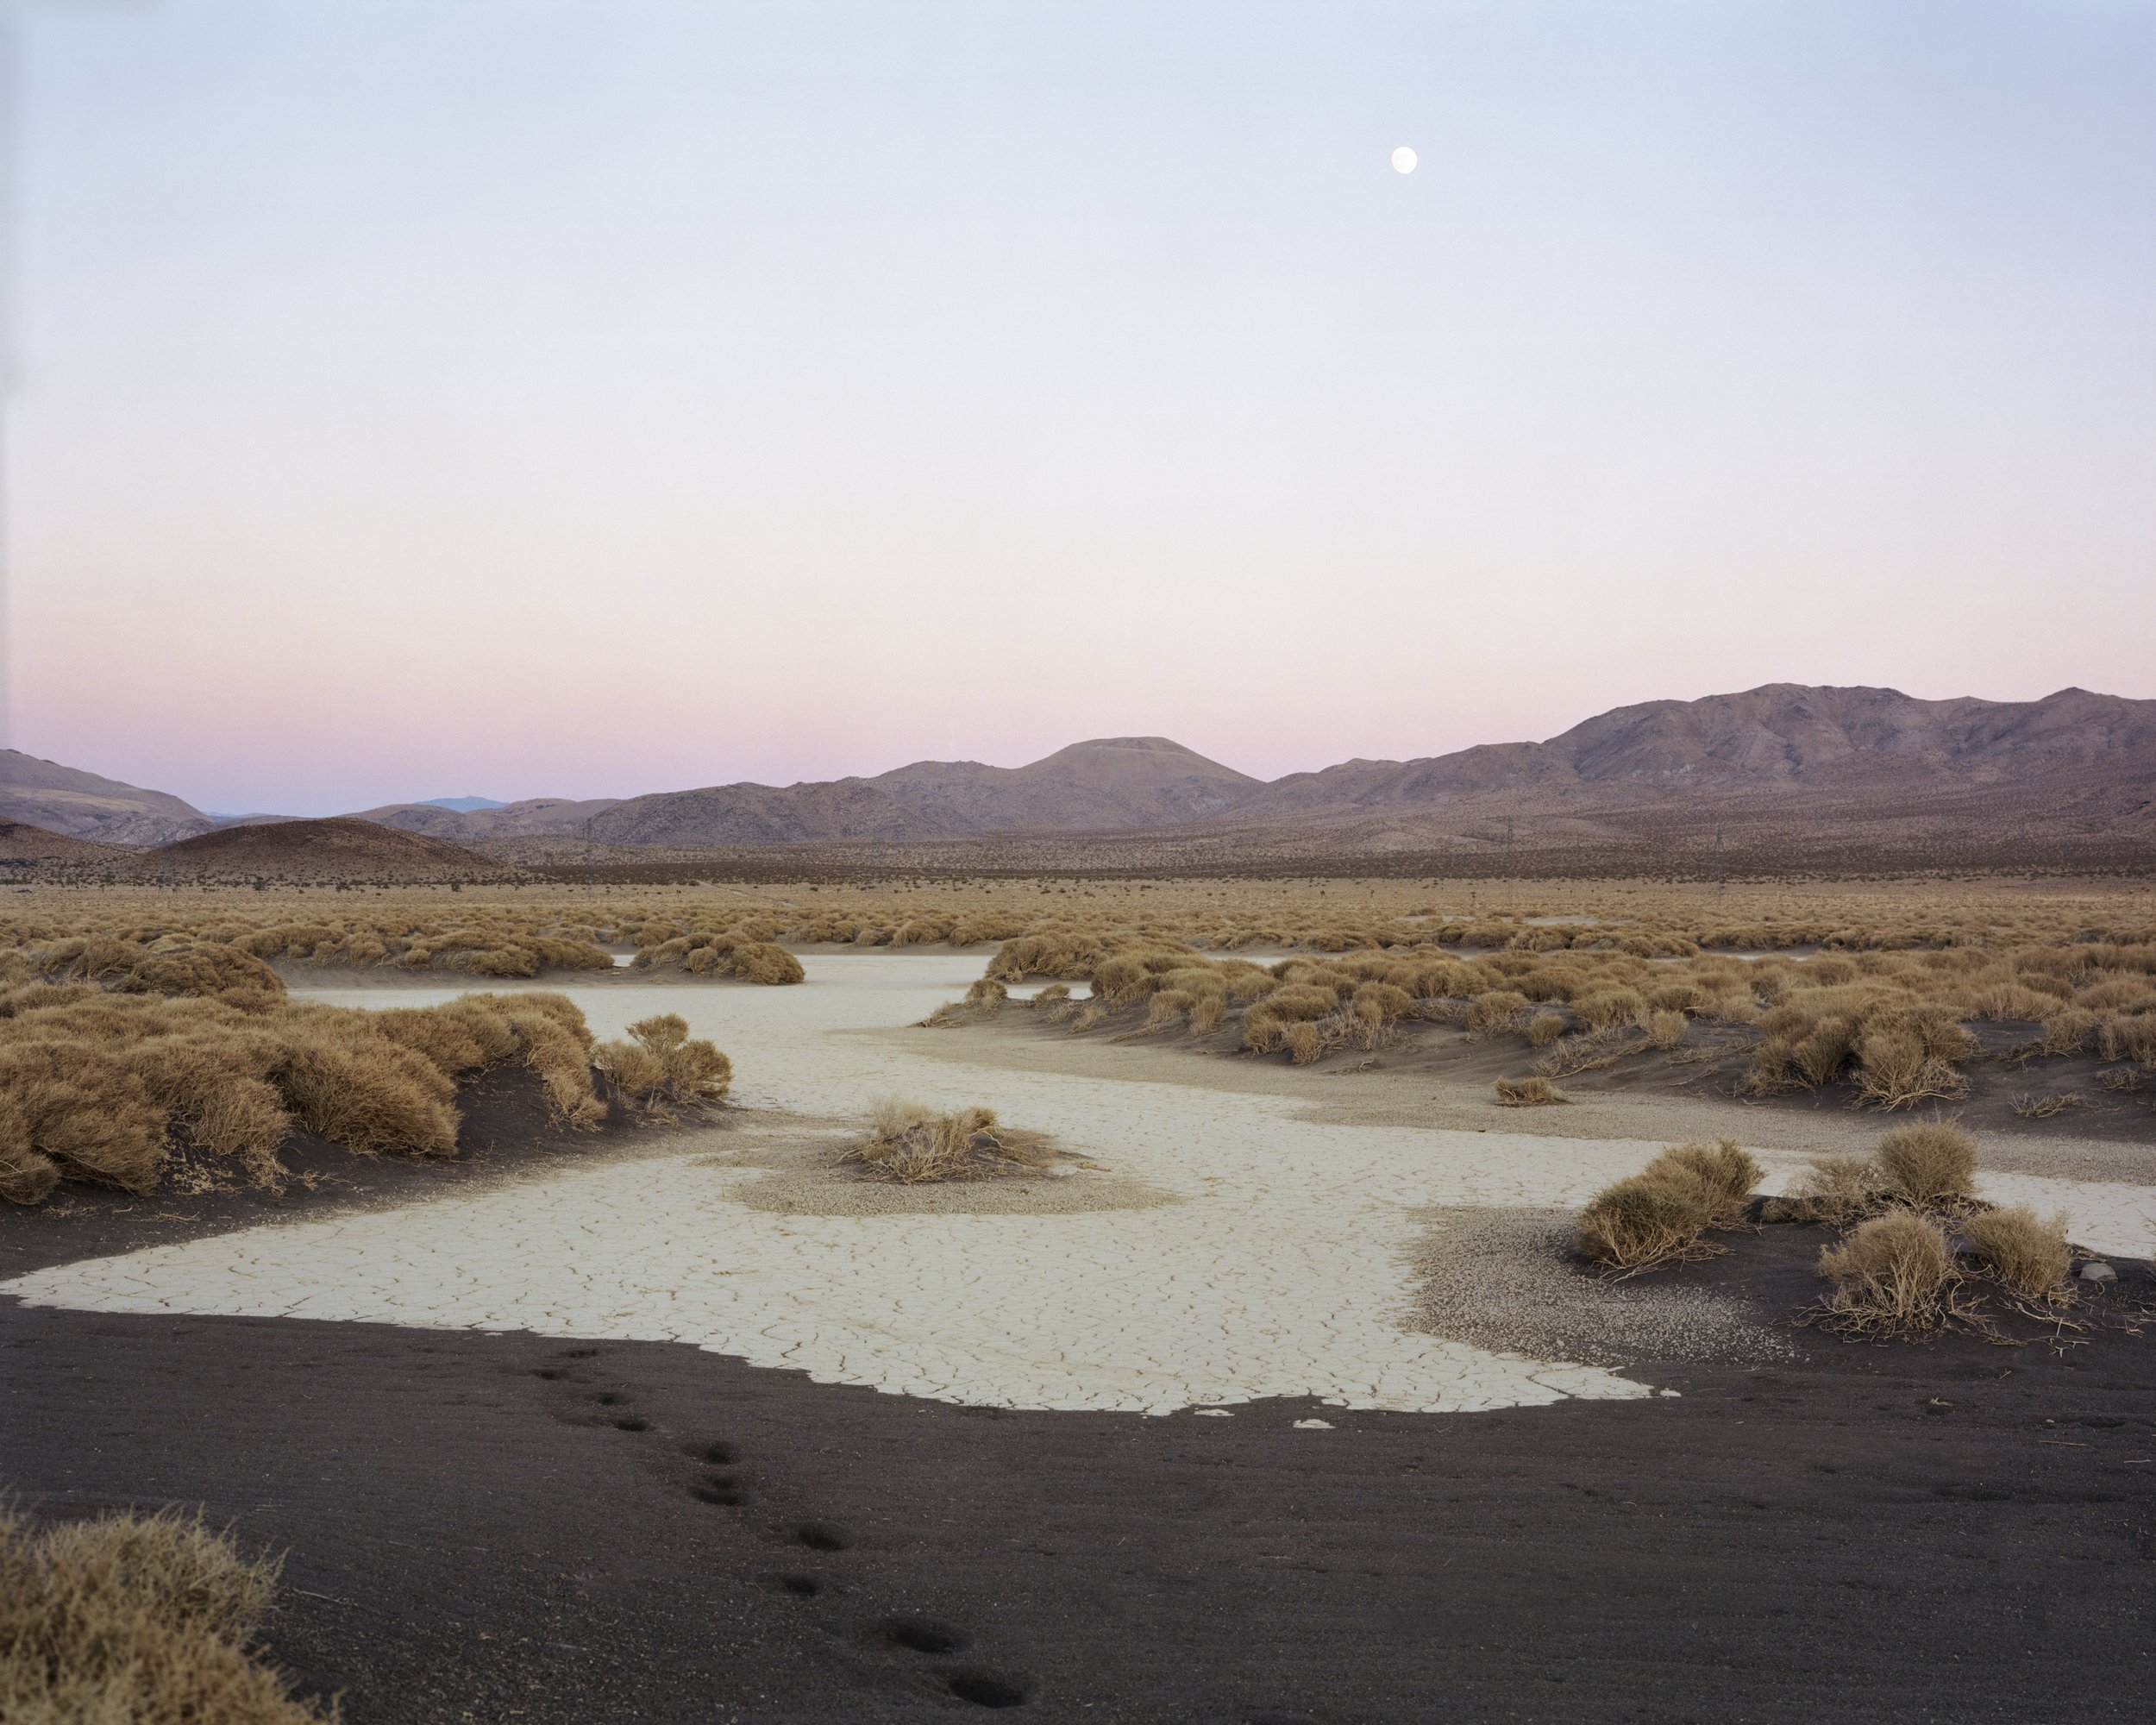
[
  {"x": 721, "y": 1488},
  {"x": 800, "y": 1586},
  {"x": 992, "y": 1688},
  {"x": 925, "y": 1635},
  {"x": 718, "y": 1455},
  {"x": 632, "y": 1424},
  {"x": 821, "y": 1536},
  {"x": 610, "y": 1398}
]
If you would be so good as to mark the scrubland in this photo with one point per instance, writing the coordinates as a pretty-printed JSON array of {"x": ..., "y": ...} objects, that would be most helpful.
[
  {"x": 175, "y": 996},
  {"x": 525, "y": 931},
  {"x": 1914, "y": 1248},
  {"x": 1893, "y": 1023},
  {"x": 178, "y": 1064}
]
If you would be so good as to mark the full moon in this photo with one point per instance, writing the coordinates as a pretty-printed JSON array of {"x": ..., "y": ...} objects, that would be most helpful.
[{"x": 1403, "y": 160}]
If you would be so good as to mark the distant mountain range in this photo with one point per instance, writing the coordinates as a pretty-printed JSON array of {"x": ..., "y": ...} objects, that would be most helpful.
[{"x": 1863, "y": 757}]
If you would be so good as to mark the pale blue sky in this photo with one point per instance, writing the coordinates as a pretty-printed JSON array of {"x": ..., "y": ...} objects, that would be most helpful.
[{"x": 530, "y": 397}]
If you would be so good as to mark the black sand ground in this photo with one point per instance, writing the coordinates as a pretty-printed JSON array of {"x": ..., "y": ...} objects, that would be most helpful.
[{"x": 516, "y": 1527}]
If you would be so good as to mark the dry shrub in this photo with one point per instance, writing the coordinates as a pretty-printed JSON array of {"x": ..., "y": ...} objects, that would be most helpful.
[
  {"x": 1528, "y": 1093},
  {"x": 2129, "y": 1038},
  {"x": 1724, "y": 1174},
  {"x": 1606, "y": 1008},
  {"x": 762, "y": 962},
  {"x": 103, "y": 1087},
  {"x": 1498, "y": 1009},
  {"x": 1590, "y": 1053},
  {"x": 2031, "y": 1104},
  {"x": 134, "y": 1620},
  {"x": 1545, "y": 1028},
  {"x": 1930, "y": 1165},
  {"x": 984, "y": 1000},
  {"x": 1892, "y": 1275},
  {"x": 1640, "y": 1222},
  {"x": 1836, "y": 1189},
  {"x": 1665, "y": 1030},
  {"x": 1908, "y": 1056},
  {"x": 1303, "y": 1042},
  {"x": 1662, "y": 1213},
  {"x": 660, "y": 1067},
  {"x": 2027, "y": 1252},
  {"x": 916, "y": 1145}
]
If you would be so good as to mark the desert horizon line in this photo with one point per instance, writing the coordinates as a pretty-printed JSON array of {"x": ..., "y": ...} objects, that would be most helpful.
[{"x": 448, "y": 800}]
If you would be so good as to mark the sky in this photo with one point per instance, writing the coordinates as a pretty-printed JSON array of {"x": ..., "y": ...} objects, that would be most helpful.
[{"x": 526, "y": 397}]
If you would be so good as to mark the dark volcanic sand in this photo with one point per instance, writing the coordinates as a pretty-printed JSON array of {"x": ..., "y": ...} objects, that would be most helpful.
[{"x": 517, "y": 1528}]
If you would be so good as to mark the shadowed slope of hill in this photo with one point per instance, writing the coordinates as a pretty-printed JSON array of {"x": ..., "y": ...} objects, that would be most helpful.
[
  {"x": 340, "y": 849},
  {"x": 78, "y": 805},
  {"x": 21, "y": 843}
]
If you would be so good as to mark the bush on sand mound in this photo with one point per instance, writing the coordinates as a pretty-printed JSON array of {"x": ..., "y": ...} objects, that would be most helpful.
[
  {"x": 106, "y": 1088},
  {"x": 660, "y": 1067},
  {"x": 913, "y": 1144},
  {"x": 1662, "y": 1213}
]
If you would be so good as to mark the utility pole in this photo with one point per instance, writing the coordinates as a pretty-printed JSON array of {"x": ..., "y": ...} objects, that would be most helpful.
[
  {"x": 1509, "y": 868},
  {"x": 1721, "y": 866}
]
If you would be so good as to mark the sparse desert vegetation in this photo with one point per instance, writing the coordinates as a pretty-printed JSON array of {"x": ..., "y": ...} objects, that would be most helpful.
[
  {"x": 179, "y": 1064},
  {"x": 913, "y": 1144},
  {"x": 136, "y": 1620},
  {"x": 1911, "y": 1236}
]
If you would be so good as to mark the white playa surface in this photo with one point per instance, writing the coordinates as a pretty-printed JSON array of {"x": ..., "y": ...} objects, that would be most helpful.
[{"x": 1284, "y": 1271}]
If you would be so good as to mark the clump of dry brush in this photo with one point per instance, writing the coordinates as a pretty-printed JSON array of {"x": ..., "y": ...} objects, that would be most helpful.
[
  {"x": 1892, "y": 1024},
  {"x": 913, "y": 1144},
  {"x": 1663, "y": 1213},
  {"x": 134, "y": 1620},
  {"x": 1917, "y": 1237},
  {"x": 190, "y": 1064},
  {"x": 1914, "y": 1236},
  {"x": 660, "y": 1067}
]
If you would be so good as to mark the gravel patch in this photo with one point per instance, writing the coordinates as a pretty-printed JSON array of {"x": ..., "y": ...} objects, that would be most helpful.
[{"x": 1501, "y": 1279}]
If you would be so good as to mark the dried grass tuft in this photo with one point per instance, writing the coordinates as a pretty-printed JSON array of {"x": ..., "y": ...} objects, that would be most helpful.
[
  {"x": 136, "y": 1620},
  {"x": 1930, "y": 1165},
  {"x": 915, "y": 1146},
  {"x": 1528, "y": 1093},
  {"x": 660, "y": 1068},
  {"x": 1661, "y": 1214},
  {"x": 1893, "y": 1275},
  {"x": 2028, "y": 1253}
]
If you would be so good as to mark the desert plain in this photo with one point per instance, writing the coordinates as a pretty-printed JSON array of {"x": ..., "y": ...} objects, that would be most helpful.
[{"x": 1251, "y": 1358}]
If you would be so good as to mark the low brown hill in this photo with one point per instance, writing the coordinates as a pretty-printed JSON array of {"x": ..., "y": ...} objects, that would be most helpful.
[
  {"x": 20, "y": 843},
  {"x": 342, "y": 849}
]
